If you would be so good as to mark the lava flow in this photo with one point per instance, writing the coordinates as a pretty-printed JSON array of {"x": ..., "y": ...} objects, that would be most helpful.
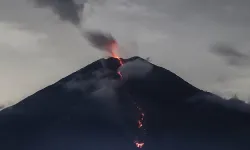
[
  {"x": 113, "y": 48},
  {"x": 140, "y": 121},
  {"x": 138, "y": 144}
]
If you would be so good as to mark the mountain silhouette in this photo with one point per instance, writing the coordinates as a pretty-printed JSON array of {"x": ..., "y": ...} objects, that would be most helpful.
[{"x": 95, "y": 108}]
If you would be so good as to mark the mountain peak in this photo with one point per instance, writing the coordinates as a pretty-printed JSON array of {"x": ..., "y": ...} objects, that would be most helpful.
[{"x": 98, "y": 105}]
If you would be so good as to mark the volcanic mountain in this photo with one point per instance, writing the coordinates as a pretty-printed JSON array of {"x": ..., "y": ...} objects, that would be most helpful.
[{"x": 97, "y": 108}]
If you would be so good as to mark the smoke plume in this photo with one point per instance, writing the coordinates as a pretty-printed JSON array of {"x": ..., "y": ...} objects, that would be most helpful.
[
  {"x": 99, "y": 39},
  {"x": 67, "y": 10},
  {"x": 71, "y": 10}
]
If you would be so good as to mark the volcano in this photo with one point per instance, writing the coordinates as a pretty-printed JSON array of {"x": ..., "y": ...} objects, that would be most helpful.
[{"x": 93, "y": 109}]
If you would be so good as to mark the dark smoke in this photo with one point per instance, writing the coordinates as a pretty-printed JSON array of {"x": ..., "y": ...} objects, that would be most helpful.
[
  {"x": 99, "y": 39},
  {"x": 227, "y": 51},
  {"x": 68, "y": 10},
  {"x": 231, "y": 55}
]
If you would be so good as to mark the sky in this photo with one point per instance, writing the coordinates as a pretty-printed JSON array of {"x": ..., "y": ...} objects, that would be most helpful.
[{"x": 38, "y": 49}]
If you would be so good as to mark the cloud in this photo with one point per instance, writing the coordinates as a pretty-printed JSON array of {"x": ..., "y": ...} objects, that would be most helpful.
[
  {"x": 231, "y": 55},
  {"x": 137, "y": 68},
  {"x": 19, "y": 39},
  {"x": 67, "y": 10},
  {"x": 95, "y": 81}
]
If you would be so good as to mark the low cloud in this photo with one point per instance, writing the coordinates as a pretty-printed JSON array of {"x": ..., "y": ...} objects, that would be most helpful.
[
  {"x": 231, "y": 55},
  {"x": 135, "y": 69}
]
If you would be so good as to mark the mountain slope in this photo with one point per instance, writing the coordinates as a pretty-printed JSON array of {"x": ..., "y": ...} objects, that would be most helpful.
[{"x": 94, "y": 109}]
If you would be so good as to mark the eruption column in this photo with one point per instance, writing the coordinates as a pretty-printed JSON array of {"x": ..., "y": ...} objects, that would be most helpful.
[{"x": 113, "y": 47}]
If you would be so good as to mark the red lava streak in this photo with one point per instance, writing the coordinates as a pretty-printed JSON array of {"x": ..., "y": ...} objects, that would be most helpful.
[
  {"x": 139, "y": 144},
  {"x": 140, "y": 121},
  {"x": 113, "y": 48},
  {"x": 119, "y": 74}
]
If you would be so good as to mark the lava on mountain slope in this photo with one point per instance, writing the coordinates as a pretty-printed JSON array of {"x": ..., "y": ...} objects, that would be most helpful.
[{"x": 113, "y": 48}]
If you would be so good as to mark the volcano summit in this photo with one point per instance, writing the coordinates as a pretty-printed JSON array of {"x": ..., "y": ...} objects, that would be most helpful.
[{"x": 93, "y": 109}]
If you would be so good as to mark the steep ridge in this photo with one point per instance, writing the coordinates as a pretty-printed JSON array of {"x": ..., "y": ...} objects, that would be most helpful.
[{"x": 93, "y": 109}]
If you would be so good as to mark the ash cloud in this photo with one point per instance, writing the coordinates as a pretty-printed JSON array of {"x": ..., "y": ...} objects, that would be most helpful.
[
  {"x": 71, "y": 11},
  {"x": 105, "y": 41},
  {"x": 99, "y": 39},
  {"x": 231, "y": 55},
  {"x": 67, "y": 10}
]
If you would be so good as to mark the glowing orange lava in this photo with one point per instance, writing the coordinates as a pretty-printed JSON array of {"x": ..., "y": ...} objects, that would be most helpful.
[
  {"x": 139, "y": 144},
  {"x": 140, "y": 121},
  {"x": 139, "y": 124},
  {"x": 113, "y": 47}
]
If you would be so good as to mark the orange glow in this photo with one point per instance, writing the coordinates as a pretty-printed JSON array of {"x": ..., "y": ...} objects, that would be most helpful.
[
  {"x": 140, "y": 121},
  {"x": 113, "y": 48},
  {"x": 139, "y": 144},
  {"x": 117, "y": 57},
  {"x": 139, "y": 124}
]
